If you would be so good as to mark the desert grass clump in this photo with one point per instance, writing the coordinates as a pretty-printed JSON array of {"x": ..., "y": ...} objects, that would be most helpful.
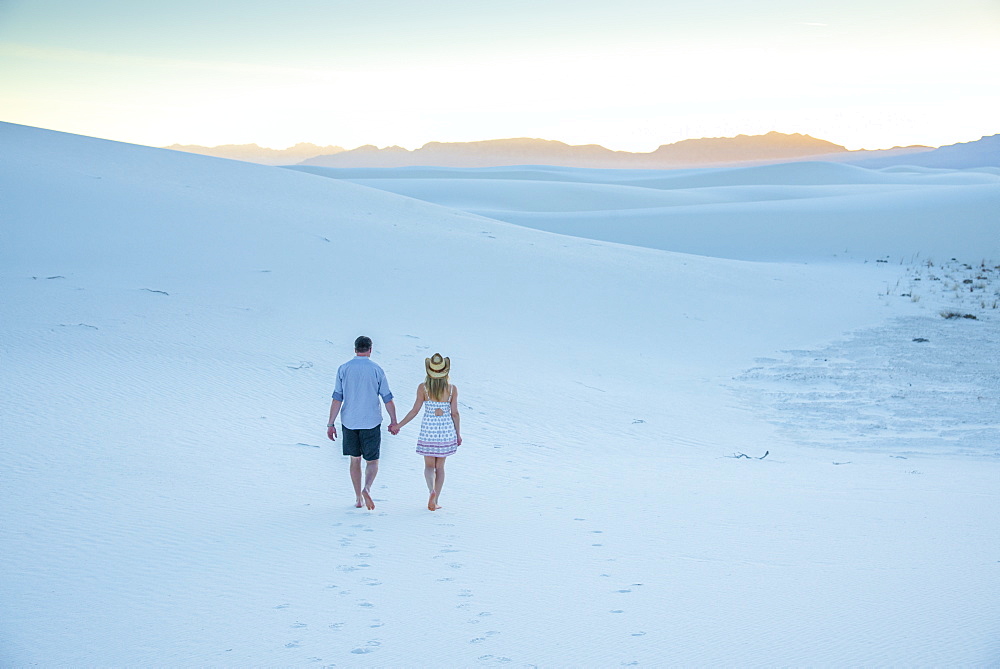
[{"x": 957, "y": 314}]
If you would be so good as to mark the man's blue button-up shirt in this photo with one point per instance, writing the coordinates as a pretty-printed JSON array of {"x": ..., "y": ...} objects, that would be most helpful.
[{"x": 360, "y": 382}]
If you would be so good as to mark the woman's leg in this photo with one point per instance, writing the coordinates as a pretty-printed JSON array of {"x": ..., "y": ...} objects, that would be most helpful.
[
  {"x": 432, "y": 503},
  {"x": 438, "y": 475},
  {"x": 429, "y": 472}
]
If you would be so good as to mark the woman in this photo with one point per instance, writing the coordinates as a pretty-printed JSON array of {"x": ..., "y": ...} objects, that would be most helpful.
[{"x": 439, "y": 433}]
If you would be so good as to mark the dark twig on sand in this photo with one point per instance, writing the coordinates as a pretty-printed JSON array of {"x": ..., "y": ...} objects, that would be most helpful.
[{"x": 748, "y": 457}]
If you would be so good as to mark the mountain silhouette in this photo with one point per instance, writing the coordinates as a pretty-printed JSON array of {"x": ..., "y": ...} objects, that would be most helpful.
[
  {"x": 984, "y": 152},
  {"x": 773, "y": 147},
  {"x": 528, "y": 151},
  {"x": 251, "y": 153}
]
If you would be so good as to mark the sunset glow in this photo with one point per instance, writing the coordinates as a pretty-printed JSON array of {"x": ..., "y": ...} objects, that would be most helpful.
[{"x": 631, "y": 78}]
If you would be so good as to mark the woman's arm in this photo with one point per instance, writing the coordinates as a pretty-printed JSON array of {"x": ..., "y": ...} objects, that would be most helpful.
[
  {"x": 416, "y": 407},
  {"x": 454, "y": 413}
]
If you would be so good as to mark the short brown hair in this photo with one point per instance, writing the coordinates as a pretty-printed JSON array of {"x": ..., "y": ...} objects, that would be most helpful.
[{"x": 363, "y": 344}]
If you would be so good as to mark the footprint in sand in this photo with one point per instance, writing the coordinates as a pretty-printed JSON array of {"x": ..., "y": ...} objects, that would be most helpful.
[
  {"x": 368, "y": 647},
  {"x": 617, "y": 611},
  {"x": 336, "y": 626},
  {"x": 298, "y": 625},
  {"x": 293, "y": 644},
  {"x": 623, "y": 591},
  {"x": 366, "y": 605}
]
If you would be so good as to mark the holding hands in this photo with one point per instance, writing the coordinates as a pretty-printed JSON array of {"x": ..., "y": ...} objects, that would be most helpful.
[{"x": 394, "y": 428}]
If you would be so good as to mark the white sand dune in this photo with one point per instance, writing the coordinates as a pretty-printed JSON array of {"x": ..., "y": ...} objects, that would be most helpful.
[
  {"x": 801, "y": 211},
  {"x": 171, "y": 325}
]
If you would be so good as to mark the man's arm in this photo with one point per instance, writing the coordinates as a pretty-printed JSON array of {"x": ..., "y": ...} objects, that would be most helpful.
[
  {"x": 390, "y": 406},
  {"x": 386, "y": 395},
  {"x": 331, "y": 431}
]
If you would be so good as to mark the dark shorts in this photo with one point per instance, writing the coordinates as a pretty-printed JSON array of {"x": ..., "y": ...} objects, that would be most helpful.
[{"x": 362, "y": 443}]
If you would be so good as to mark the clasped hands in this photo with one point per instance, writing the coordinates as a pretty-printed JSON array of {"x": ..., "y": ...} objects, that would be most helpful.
[{"x": 331, "y": 431}]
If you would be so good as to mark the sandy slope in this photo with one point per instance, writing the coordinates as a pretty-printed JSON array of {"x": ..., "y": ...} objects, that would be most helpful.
[
  {"x": 803, "y": 211},
  {"x": 171, "y": 325}
]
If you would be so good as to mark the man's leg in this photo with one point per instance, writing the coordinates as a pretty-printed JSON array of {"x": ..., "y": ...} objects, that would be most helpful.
[
  {"x": 371, "y": 440},
  {"x": 352, "y": 447},
  {"x": 356, "y": 480},
  {"x": 371, "y": 470}
]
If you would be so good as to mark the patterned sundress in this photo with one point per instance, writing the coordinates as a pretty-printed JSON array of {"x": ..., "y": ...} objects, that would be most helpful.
[{"x": 437, "y": 433}]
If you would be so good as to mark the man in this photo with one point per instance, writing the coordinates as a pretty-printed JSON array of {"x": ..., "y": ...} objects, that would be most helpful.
[{"x": 360, "y": 383}]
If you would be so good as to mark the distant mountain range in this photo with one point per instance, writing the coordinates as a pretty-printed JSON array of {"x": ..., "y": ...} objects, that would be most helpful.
[
  {"x": 984, "y": 152},
  {"x": 524, "y": 151},
  {"x": 774, "y": 147},
  {"x": 251, "y": 153}
]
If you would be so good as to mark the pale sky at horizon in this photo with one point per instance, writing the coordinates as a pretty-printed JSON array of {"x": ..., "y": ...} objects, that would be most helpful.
[{"x": 630, "y": 75}]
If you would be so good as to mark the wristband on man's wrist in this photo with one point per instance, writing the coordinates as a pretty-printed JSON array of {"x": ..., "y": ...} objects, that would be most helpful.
[{"x": 330, "y": 425}]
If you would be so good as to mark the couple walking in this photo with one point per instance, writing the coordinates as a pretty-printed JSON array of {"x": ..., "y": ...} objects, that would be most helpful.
[{"x": 360, "y": 384}]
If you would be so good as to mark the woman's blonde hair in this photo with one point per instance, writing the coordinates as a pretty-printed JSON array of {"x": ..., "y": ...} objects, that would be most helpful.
[{"x": 437, "y": 388}]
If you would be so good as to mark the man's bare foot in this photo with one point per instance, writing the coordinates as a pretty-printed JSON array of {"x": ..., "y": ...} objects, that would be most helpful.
[
  {"x": 359, "y": 503},
  {"x": 432, "y": 504},
  {"x": 368, "y": 500}
]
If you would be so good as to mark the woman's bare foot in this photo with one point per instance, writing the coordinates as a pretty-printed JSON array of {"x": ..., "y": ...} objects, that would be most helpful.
[
  {"x": 368, "y": 500},
  {"x": 432, "y": 504},
  {"x": 359, "y": 503}
]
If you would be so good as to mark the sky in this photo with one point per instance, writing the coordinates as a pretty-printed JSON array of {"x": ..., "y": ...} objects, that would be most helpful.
[{"x": 629, "y": 75}]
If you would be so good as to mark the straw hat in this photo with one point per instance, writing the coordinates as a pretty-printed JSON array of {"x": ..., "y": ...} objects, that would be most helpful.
[{"x": 437, "y": 367}]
